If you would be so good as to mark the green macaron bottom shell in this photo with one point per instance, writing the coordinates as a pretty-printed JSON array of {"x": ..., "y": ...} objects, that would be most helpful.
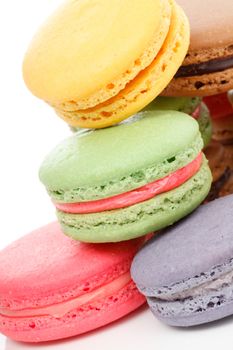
[
  {"x": 205, "y": 124},
  {"x": 139, "y": 219}
]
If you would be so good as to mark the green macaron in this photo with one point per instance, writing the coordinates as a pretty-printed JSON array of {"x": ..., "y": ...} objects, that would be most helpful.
[
  {"x": 91, "y": 172},
  {"x": 190, "y": 105}
]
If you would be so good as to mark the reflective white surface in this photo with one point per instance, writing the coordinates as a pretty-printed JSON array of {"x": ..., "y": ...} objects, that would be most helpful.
[{"x": 29, "y": 129}]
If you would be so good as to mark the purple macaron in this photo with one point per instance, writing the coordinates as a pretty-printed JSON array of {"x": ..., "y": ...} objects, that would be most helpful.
[{"x": 186, "y": 271}]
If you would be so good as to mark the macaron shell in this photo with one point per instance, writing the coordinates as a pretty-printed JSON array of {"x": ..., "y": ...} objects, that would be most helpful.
[
  {"x": 182, "y": 104},
  {"x": 211, "y": 41},
  {"x": 195, "y": 251},
  {"x": 189, "y": 317},
  {"x": 145, "y": 87},
  {"x": 139, "y": 64},
  {"x": 60, "y": 58},
  {"x": 217, "y": 27},
  {"x": 204, "y": 85},
  {"x": 215, "y": 153},
  {"x": 228, "y": 159},
  {"x": 223, "y": 186},
  {"x": 46, "y": 268},
  {"x": 205, "y": 124},
  {"x": 47, "y": 252},
  {"x": 220, "y": 159},
  {"x": 227, "y": 189},
  {"x": 137, "y": 220},
  {"x": 76, "y": 322},
  {"x": 186, "y": 105},
  {"x": 223, "y": 130},
  {"x": 82, "y": 168}
]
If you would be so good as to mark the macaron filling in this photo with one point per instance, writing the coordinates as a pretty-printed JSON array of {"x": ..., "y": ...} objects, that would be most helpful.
[
  {"x": 205, "y": 288},
  {"x": 197, "y": 112},
  {"x": 139, "y": 195},
  {"x": 208, "y": 67},
  {"x": 61, "y": 309}
]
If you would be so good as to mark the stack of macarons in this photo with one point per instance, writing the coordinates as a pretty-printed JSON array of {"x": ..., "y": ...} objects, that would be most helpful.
[
  {"x": 187, "y": 278},
  {"x": 207, "y": 72},
  {"x": 134, "y": 166}
]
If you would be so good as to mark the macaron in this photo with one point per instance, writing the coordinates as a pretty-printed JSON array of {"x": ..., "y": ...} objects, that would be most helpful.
[
  {"x": 215, "y": 153},
  {"x": 220, "y": 159},
  {"x": 98, "y": 62},
  {"x": 208, "y": 66},
  {"x": 186, "y": 271},
  {"x": 221, "y": 110},
  {"x": 126, "y": 181},
  {"x": 190, "y": 105},
  {"x": 52, "y": 287},
  {"x": 227, "y": 186}
]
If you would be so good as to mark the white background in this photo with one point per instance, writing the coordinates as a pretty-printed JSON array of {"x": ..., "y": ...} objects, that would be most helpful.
[{"x": 29, "y": 129}]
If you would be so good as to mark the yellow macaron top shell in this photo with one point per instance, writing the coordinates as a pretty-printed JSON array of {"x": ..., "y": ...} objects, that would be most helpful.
[
  {"x": 88, "y": 50},
  {"x": 145, "y": 87}
]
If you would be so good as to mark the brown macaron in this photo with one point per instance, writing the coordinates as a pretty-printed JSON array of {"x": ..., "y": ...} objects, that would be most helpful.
[
  {"x": 228, "y": 187},
  {"x": 220, "y": 159},
  {"x": 215, "y": 154},
  {"x": 208, "y": 66}
]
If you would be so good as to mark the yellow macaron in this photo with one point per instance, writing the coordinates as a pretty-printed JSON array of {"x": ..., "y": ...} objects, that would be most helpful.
[{"x": 97, "y": 61}]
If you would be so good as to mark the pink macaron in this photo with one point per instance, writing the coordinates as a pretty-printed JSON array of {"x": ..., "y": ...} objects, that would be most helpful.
[{"x": 52, "y": 287}]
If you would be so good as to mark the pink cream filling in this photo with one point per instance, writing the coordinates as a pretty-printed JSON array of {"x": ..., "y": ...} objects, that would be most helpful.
[
  {"x": 141, "y": 194},
  {"x": 196, "y": 113},
  {"x": 60, "y": 310}
]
